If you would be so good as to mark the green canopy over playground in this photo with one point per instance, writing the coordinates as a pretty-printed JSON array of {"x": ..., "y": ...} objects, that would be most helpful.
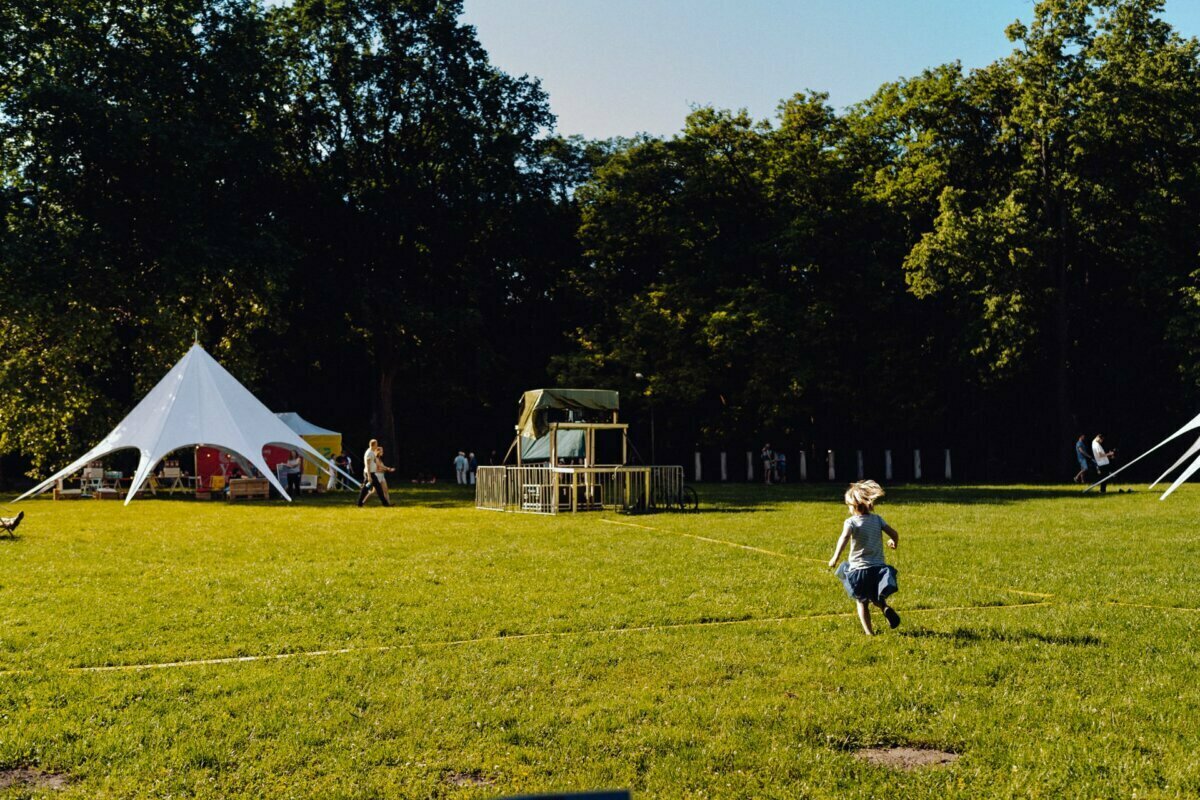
[{"x": 533, "y": 425}]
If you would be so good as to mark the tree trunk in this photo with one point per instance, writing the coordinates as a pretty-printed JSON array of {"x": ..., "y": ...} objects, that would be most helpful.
[
  {"x": 383, "y": 416},
  {"x": 1062, "y": 339}
]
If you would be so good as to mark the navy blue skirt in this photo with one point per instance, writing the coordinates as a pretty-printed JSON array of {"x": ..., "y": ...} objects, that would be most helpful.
[{"x": 868, "y": 584}]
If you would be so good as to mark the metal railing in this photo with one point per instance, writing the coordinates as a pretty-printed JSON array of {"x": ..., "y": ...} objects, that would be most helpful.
[{"x": 551, "y": 490}]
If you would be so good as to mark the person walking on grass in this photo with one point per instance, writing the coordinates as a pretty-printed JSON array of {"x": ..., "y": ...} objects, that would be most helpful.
[
  {"x": 381, "y": 470},
  {"x": 1103, "y": 462},
  {"x": 866, "y": 575},
  {"x": 370, "y": 476},
  {"x": 1083, "y": 456}
]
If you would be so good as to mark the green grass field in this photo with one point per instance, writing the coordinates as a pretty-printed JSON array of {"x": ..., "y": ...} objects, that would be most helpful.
[{"x": 1051, "y": 640}]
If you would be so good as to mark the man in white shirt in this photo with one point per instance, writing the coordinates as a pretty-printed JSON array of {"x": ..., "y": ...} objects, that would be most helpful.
[
  {"x": 1103, "y": 465},
  {"x": 371, "y": 476},
  {"x": 460, "y": 467}
]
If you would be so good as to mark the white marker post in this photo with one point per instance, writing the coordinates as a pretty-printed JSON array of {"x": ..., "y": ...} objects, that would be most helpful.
[
  {"x": 832, "y": 475},
  {"x": 724, "y": 467},
  {"x": 887, "y": 465},
  {"x": 916, "y": 465},
  {"x": 697, "y": 466},
  {"x": 803, "y": 466},
  {"x": 860, "y": 465},
  {"x": 949, "y": 472},
  {"x": 749, "y": 466}
]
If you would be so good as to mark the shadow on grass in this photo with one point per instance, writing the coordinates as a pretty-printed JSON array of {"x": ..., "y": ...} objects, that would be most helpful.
[
  {"x": 715, "y": 498},
  {"x": 659, "y": 512},
  {"x": 758, "y": 496},
  {"x": 970, "y": 636}
]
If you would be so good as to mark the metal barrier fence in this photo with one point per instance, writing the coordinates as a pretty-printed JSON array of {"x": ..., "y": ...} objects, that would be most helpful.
[{"x": 550, "y": 490}]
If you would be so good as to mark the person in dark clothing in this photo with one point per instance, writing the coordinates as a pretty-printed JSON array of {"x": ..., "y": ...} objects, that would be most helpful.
[{"x": 294, "y": 467}]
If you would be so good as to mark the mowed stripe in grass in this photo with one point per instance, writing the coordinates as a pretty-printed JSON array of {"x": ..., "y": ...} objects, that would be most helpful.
[{"x": 1075, "y": 698}]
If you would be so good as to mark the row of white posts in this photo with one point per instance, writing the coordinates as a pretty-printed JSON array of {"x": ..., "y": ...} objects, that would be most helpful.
[{"x": 802, "y": 472}]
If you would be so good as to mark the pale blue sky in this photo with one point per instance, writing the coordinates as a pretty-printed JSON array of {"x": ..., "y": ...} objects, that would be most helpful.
[{"x": 620, "y": 67}]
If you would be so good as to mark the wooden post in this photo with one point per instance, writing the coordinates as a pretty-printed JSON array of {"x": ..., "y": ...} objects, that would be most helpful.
[
  {"x": 832, "y": 471},
  {"x": 916, "y": 465},
  {"x": 697, "y": 466},
  {"x": 749, "y": 465},
  {"x": 724, "y": 467},
  {"x": 887, "y": 465},
  {"x": 553, "y": 492}
]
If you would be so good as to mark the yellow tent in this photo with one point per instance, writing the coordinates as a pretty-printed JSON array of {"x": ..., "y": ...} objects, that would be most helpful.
[{"x": 328, "y": 443}]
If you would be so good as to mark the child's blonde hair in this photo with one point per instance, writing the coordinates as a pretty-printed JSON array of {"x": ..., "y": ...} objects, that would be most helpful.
[{"x": 861, "y": 496}]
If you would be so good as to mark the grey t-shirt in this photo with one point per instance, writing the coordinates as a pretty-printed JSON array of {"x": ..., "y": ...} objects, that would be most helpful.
[{"x": 866, "y": 540}]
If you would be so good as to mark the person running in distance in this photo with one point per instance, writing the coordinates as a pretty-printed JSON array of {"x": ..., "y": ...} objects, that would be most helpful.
[
  {"x": 1103, "y": 462},
  {"x": 370, "y": 481},
  {"x": 866, "y": 575},
  {"x": 1084, "y": 458}
]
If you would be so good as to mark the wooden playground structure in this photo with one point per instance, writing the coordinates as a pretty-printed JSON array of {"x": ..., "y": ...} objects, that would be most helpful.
[{"x": 572, "y": 454}]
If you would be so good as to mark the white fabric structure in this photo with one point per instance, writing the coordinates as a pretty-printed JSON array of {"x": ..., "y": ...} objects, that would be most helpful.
[
  {"x": 197, "y": 403},
  {"x": 1188, "y": 472},
  {"x": 302, "y": 426}
]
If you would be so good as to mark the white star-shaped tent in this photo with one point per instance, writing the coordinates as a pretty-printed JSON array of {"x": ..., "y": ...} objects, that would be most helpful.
[
  {"x": 1188, "y": 472},
  {"x": 197, "y": 403}
]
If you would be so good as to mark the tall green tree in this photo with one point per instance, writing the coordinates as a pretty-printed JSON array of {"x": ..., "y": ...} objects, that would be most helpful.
[
  {"x": 411, "y": 155},
  {"x": 135, "y": 151}
]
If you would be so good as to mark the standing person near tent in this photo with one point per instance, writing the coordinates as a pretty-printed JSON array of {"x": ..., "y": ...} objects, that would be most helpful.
[
  {"x": 294, "y": 467},
  {"x": 1103, "y": 463},
  {"x": 1083, "y": 456},
  {"x": 866, "y": 575},
  {"x": 460, "y": 467},
  {"x": 342, "y": 462},
  {"x": 370, "y": 479}
]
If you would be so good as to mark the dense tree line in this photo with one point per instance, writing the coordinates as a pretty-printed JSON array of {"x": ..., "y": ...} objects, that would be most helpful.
[{"x": 371, "y": 224}]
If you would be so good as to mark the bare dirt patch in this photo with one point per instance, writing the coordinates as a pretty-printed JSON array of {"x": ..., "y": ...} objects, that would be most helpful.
[
  {"x": 31, "y": 778},
  {"x": 906, "y": 758},
  {"x": 473, "y": 778}
]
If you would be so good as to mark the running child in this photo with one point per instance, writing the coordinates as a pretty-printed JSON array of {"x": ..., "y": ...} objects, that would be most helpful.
[{"x": 866, "y": 575}]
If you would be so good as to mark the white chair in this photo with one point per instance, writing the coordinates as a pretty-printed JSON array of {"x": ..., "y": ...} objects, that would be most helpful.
[
  {"x": 172, "y": 479},
  {"x": 92, "y": 479}
]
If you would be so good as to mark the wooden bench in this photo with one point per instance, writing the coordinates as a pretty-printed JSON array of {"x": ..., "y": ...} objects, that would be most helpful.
[{"x": 249, "y": 488}]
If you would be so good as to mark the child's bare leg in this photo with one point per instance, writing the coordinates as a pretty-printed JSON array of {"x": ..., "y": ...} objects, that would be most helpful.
[{"x": 864, "y": 616}]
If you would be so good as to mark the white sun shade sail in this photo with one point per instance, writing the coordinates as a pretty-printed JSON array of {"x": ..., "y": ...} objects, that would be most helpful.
[
  {"x": 302, "y": 426},
  {"x": 197, "y": 403},
  {"x": 1183, "y": 476}
]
